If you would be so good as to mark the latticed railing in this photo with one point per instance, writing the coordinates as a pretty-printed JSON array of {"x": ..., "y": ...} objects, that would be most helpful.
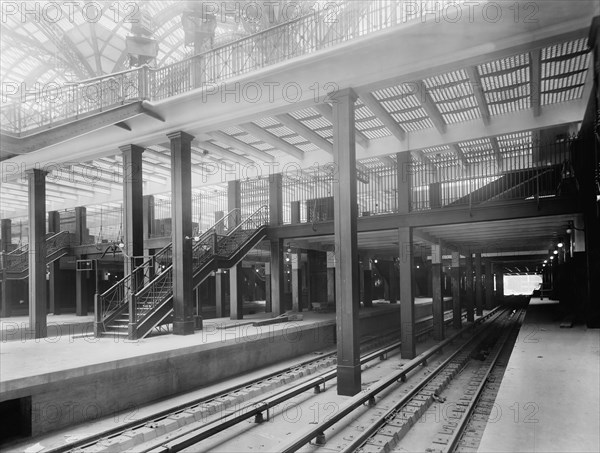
[
  {"x": 210, "y": 245},
  {"x": 529, "y": 171},
  {"x": 154, "y": 271},
  {"x": 18, "y": 259},
  {"x": 336, "y": 22},
  {"x": 227, "y": 245}
]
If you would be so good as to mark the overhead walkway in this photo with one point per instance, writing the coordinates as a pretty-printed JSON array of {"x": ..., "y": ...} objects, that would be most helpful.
[{"x": 148, "y": 290}]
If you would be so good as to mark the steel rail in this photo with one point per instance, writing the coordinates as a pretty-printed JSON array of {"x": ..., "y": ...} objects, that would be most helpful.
[
  {"x": 464, "y": 421},
  {"x": 90, "y": 440},
  {"x": 363, "y": 398},
  {"x": 192, "y": 436}
]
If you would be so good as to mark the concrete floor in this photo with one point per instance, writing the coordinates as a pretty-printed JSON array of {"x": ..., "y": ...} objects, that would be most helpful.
[
  {"x": 549, "y": 400},
  {"x": 16, "y": 328}
]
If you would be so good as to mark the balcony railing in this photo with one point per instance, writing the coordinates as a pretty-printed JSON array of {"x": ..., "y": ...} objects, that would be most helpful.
[{"x": 335, "y": 23}]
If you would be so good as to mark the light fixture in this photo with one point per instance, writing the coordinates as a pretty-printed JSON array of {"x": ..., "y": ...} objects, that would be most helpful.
[
  {"x": 560, "y": 245},
  {"x": 418, "y": 267},
  {"x": 121, "y": 244},
  {"x": 375, "y": 261},
  {"x": 571, "y": 227},
  {"x": 552, "y": 257},
  {"x": 545, "y": 261},
  {"x": 555, "y": 252}
]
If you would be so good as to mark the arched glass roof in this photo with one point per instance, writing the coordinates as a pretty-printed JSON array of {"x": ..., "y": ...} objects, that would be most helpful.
[{"x": 44, "y": 41}]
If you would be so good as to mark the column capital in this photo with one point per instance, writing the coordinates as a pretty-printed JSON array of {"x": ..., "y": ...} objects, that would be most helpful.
[
  {"x": 183, "y": 136},
  {"x": 346, "y": 92},
  {"x": 36, "y": 172},
  {"x": 132, "y": 148}
]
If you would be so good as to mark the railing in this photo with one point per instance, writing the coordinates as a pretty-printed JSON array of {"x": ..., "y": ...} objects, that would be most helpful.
[
  {"x": 211, "y": 244},
  {"x": 525, "y": 172},
  {"x": 18, "y": 259},
  {"x": 227, "y": 245},
  {"x": 153, "y": 271},
  {"x": 335, "y": 23}
]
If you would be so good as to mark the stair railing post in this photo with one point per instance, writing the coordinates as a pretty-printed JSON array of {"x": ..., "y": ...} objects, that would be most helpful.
[
  {"x": 97, "y": 315},
  {"x": 132, "y": 327}
]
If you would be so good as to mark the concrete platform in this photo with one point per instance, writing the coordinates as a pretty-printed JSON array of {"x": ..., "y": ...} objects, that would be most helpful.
[
  {"x": 68, "y": 380},
  {"x": 16, "y": 328},
  {"x": 549, "y": 399}
]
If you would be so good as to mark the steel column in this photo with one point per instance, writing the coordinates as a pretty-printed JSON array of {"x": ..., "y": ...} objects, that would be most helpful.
[
  {"x": 407, "y": 299},
  {"x": 478, "y": 285},
  {"x": 236, "y": 301},
  {"x": 36, "y": 180},
  {"x": 181, "y": 209},
  {"x": 469, "y": 288},
  {"x": 346, "y": 246},
  {"x": 437, "y": 293},
  {"x": 455, "y": 281},
  {"x": 276, "y": 255}
]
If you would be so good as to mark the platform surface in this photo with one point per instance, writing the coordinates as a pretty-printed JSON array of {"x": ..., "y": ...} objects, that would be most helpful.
[
  {"x": 549, "y": 399},
  {"x": 16, "y": 328},
  {"x": 38, "y": 361}
]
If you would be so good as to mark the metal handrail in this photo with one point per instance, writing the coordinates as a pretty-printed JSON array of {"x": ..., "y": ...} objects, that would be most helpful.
[
  {"x": 117, "y": 295},
  {"x": 209, "y": 246},
  {"x": 18, "y": 260}
]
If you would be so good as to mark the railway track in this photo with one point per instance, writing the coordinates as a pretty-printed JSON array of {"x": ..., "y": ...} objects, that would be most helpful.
[
  {"x": 391, "y": 423},
  {"x": 216, "y": 407}
]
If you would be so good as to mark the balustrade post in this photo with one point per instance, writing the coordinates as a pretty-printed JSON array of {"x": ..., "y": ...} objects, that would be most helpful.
[
  {"x": 132, "y": 326},
  {"x": 98, "y": 315}
]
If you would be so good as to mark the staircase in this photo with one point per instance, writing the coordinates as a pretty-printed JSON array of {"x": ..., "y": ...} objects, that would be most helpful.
[
  {"x": 15, "y": 265},
  {"x": 149, "y": 288}
]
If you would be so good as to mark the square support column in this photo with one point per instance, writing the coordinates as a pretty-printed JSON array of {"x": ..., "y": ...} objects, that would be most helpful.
[
  {"x": 296, "y": 258},
  {"x": 394, "y": 279},
  {"x": 53, "y": 222},
  {"x": 268, "y": 305},
  {"x": 36, "y": 180},
  {"x": 368, "y": 288},
  {"x": 181, "y": 209},
  {"x": 220, "y": 296},
  {"x": 470, "y": 294},
  {"x": 295, "y": 212},
  {"x": 234, "y": 200},
  {"x": 5, "y": 247},
  {"x": 133, "y": 216},
  {"x": 478, "y": 285},
  {"x": 404, "y": 173},
  {"x": 81, "y": 291},
  {"x": 455, "y": 282},
  {"x": 346, "y": 245},
  {"x": 80, "y": 225},
  {"x": 330, "y": 278},
  {"x": 276, "y": 258},
  {"x": 5, "y": 235},
  {"x": 437, "y": 293},
  {"x": 236, "y": 301},
  {"x": 489, "y": 286},
  {"x": 407, "y": 299},
  {"x": 55, "y": 287},
  {"x": 276, "y": 199}
]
